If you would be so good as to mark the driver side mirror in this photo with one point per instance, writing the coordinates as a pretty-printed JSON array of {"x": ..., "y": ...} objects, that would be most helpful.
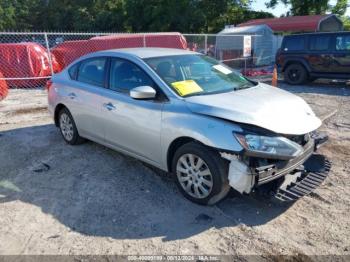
[{"x": 143, "y": 92}]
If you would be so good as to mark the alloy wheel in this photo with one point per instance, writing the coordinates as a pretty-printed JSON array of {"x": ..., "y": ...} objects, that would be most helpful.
[
  {"x": 194, "y": 176},
  {"x": 294, "y": 75},
  {"x": 66, "y": 126}
]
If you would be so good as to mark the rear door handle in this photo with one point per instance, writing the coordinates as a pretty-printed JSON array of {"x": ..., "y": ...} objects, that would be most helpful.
[
  {"x": 72, "y": 95},
  {"x": 109, "y": 106}
]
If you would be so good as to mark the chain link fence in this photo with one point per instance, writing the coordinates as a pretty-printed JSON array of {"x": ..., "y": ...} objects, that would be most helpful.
[{"x": 28, "y": 59}]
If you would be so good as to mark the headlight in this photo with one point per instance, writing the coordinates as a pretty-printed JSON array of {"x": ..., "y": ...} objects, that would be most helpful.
[{"x": 271, "y": 147}]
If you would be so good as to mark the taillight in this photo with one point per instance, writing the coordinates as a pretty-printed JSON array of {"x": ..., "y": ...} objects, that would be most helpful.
[{"x": 48, "y": 84}]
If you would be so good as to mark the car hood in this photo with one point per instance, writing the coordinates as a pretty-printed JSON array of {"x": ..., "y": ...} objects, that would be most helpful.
[{"x": 263, "y": 105}]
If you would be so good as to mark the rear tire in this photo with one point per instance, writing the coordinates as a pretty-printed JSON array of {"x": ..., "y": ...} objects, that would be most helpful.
[
  {"x": 68, "y": 128},
  {"x": 200, "y": 173},
  {"x": 295, "y": 74}
]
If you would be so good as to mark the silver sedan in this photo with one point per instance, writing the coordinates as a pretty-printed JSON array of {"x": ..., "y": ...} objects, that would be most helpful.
[{"x": 187, "y": 114}]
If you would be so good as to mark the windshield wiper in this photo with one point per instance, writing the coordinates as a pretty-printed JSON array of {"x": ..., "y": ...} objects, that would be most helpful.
[{"x": 245, "y": 86}]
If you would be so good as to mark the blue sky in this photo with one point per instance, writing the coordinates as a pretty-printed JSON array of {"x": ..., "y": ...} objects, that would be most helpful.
[{"x": 259, "y": 5}]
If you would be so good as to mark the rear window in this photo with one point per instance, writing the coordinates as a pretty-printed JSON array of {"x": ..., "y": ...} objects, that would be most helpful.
[
  {"x": 295, "y": 43},
  {"x": 91, "y": 71},
  {"x": 73, "y": 70},
  {"x": 343, "y": 43},
  {"x": 319, "y": 42}
]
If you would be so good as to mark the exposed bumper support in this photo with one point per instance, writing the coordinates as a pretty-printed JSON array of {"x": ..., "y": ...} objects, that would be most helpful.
[
  {"x": 301, "y": 175},
  {"x": 320, "y": 139},
  {"x": 239, "y": 176}
]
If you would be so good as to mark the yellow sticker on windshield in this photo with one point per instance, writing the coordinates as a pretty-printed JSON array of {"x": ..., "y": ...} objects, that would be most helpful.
[{"x": 186, "y": 87}]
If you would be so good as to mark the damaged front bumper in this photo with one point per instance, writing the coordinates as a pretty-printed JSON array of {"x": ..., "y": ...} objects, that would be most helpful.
[
  {"x": 302, "y": 182},
  {"x": 294, "y": 178}
]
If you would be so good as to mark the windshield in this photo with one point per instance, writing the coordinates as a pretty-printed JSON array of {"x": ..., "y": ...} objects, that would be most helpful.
[{"x": 197, "y": 74}]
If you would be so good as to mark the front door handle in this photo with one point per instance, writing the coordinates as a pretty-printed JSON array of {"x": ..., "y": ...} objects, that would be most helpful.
[
  {"x": 109, "y": 106},
  {"x": 72, "y": 95}
]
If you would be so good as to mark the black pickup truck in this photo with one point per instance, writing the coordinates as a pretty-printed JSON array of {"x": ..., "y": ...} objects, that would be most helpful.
[{"x": 306, "y": 57}]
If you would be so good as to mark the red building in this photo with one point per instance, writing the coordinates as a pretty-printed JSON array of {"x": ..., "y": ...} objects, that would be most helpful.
[{"x": 309, "y": 23}]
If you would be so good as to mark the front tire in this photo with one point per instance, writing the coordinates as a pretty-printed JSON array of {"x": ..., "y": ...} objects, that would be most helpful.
[
  {"x": 295, "y": 74},
  {"x": 200, "y": 173},
  {"x": 68, "y": 128}
]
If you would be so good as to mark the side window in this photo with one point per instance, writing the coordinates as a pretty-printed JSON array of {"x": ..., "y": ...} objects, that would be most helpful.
[
  {"x": 342, "y": 43},
  {"x": 91, "y": 71},
  {"x": 296, "y": 43},
  {"x": 165, "y": 69},
  {"x": 319, "y": 43},
  {"x": 125, "y": 76},
  {"x": 73, "y": 70}
]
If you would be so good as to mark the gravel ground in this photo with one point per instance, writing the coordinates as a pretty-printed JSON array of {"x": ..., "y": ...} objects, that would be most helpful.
[{"x": 60, "y": 199}]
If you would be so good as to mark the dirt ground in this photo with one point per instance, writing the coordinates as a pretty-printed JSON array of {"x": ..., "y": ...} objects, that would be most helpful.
[{"x": 87, "y": 199}]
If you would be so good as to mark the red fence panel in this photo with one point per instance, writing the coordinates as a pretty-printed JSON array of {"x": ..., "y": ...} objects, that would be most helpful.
[
  {"x": 117, "y": 41},
  {"x": 25, "y": 60},
  {"x": 167, "y": 40},
  {"x": 3, "y": 87},
  {"x": 68, "y": 51}
]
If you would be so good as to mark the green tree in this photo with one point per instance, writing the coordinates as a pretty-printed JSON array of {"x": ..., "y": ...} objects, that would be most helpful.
[
  {"x": 346, "y": 22},
  {"x": 110, "y": 15},
  {"x": 192, "y": 16},
  {"x": 7, "y": 15},
  {"x": 302, "y": 7},
  {"x": 162, "y": 15},
  {"x": 18, "y": 14},
  {"x": 340, "y": 7},
  {"x": 311, "y": 7}
]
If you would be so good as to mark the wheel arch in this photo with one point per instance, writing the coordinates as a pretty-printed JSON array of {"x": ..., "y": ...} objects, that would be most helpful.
[
  {"x": 175, "y": 145},
  {"x": 58, "y": 108},
  {"x": 301, "y": 62}
]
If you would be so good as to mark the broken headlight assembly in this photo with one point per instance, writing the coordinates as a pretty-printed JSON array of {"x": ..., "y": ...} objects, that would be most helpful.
[{"x": 275, "y": 147}]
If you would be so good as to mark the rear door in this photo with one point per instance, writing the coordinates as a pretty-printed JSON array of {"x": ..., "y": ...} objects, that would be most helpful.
[
  {"x": 320, "y": 53},
  {"x": 85, "y": 97},
  {"x": 341, "y": 55}
]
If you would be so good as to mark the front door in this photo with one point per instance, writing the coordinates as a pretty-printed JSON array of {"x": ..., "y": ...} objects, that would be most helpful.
[{"x": 131, "y": 125}]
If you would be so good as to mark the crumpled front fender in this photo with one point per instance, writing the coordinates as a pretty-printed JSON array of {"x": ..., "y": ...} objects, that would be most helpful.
[{"x": 210, "y": 131}]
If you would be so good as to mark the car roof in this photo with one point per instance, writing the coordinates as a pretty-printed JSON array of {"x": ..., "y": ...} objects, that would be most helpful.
[
  {"x": 147, "y": 52},
  {"x": 317, "y": 33}
]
